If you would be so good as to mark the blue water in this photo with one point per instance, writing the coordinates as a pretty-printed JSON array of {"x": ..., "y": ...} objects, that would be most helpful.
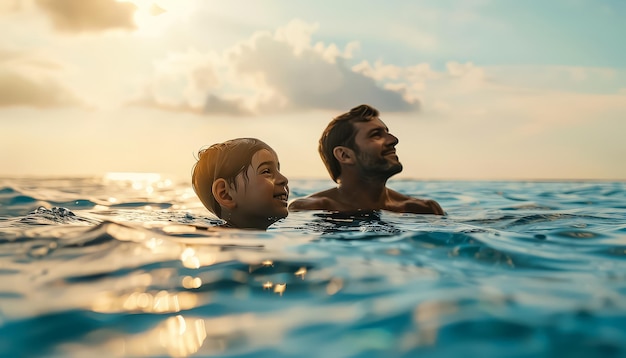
[{"x": 111, "y": 266}]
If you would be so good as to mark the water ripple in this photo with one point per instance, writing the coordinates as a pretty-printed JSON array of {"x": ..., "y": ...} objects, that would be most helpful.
[{"x": 138, "y": 269}]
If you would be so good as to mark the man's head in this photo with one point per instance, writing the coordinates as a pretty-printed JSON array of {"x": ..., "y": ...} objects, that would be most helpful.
[
  {"x": 225, "y": 161},
  {"x": 373, "y": 156}
]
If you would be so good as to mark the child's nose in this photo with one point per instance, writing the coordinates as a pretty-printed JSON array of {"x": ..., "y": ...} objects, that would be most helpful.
[{"x": 281, "y": 179}]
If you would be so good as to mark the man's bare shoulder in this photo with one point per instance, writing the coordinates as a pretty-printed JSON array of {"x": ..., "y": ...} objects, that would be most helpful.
[
  {"x": 323, "y": 200},
  {"x": 408, "y": 204}
]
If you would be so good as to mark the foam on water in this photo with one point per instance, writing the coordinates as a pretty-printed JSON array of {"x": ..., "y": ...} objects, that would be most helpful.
[{"x": 115, "y": 267}]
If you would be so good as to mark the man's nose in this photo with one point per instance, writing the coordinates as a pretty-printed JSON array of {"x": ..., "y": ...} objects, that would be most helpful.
[{"x": 392, "y": 139}]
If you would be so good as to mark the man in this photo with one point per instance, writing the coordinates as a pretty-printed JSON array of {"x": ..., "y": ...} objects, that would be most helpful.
[{"x": 360, "y": 155}]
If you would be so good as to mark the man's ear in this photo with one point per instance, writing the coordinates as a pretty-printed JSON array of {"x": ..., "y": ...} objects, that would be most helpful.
[
  {"x": 344, "y": 155},
  {"x": 221, "y": 193}
]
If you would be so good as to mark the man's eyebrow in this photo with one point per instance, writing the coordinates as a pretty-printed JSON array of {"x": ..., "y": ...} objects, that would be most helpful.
[{"x": 376, "y": 129}]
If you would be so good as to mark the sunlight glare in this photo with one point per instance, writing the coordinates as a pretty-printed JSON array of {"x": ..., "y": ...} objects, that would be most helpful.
[
  {"x": 334, "y": 286},
  {"x": 192, "y": 258},
  {"x": 301, "y": 272},
  {"x": 133, "y": 177},
  {"x": 192, "y": 282},
  {"x": 154, "y": 17},
  {"x": 182, "y": 337},
  {"x": 148, "y": 302},
  {"x": 280, "y": 288}
]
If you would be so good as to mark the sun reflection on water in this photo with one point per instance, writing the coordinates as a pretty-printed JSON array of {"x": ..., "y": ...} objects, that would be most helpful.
[
  {"x": 144, "y": 182},
  {"x": 192, "y": 282},
  {"x": 148, "y": 302},
  {"x": 182, "y": 337},
  {"x": 428, "y": 318},
  {"x": 192, "y": 258},
  {"x": 280, "y": 288},
  {"x": 334, "y": 286},
  {"x": 177, "y": 336},
  {"x": 301, "y": 272}
]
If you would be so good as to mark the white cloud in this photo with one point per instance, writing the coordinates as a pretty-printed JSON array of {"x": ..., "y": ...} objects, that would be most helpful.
[
  {"x": 560, "y": 78},
  {"x": 309, "y": 80},
  {"x": 9, "y": 6},
  {"x": 88, "y": 16},
  {"x": 212, "y": 105},
  {"x": 32, "y": 82},
  {"x": 272, "y": 72},
  {"x": 531, "y": 99},
  {"x": 413, "y": 37}
]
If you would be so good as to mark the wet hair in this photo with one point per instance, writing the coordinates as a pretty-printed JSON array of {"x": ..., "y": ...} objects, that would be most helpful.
[
  {"x": 223, "y": 160},
  {"x": 342, "y": 132}
]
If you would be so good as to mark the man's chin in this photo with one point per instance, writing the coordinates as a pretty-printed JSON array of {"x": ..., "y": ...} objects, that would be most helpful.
[
  {"x": 390, "y": 171},
  {"x": 395, "y": 169}
]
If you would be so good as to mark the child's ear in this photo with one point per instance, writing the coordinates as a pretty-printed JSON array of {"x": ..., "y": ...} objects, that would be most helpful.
[
  {"x": 221, "y": 193},
  {"x": 344, "y": 155}
]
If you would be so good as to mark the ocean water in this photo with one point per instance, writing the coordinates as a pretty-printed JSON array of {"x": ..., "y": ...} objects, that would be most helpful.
[{"x": 112, "y": 266}]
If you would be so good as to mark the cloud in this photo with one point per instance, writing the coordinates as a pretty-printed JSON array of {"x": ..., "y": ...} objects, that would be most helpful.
[
  {"x": 269, "y": 73},
  {"x": 524, "y": 99},
  {"x": 423, "y": 82},
  {"x": 33, "y": 82},
  {"x": 308, "y": 80},
  {"x": 186, "y": 83},
  {"x": 20, "y": 90},
  {"x": 9, "y": 6},
  {"x": 212, "y": 105},
  {"x": 561, "y": 78},
  {"x": 77, "y": 16},
  {"x": 286, "y": 70}
]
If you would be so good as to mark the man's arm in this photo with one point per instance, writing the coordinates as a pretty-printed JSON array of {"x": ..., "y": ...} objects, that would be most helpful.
[
  {"x": 409, "y": 204},
  {"x": 323, "y": 200},
  {"x": 309, "y": 203},
  {"x": 437, "y": 210},
  {"x": 422, "y": 206}
]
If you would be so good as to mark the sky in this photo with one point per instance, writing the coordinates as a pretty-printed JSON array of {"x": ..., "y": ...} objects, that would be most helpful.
[{"x": 473, "y": 89}]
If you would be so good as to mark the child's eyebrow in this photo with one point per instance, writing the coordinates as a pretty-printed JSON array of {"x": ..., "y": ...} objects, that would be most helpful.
[{"x": 269, "y": 162}]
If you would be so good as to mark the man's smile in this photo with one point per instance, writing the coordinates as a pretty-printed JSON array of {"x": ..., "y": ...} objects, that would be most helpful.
[{"x": 390, "y": 152}]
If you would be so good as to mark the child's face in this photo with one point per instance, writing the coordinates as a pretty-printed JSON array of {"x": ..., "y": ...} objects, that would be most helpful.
[{"x": 263, "y": 197}]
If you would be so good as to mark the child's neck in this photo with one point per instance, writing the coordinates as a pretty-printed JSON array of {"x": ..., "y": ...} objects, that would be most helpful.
[{"x": 235, "y": 221}]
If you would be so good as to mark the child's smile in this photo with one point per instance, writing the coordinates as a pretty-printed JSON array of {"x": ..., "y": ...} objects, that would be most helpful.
[{"x": 262, "y": 193}]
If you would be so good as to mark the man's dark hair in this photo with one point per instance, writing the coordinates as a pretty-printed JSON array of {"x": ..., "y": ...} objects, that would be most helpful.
[{"x": 342, "y": 132}]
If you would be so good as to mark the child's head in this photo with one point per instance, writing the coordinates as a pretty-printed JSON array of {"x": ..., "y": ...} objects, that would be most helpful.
[{"x": 240, "y": 181}]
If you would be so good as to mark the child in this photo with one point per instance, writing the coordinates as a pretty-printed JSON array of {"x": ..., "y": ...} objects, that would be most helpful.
[{"x": 240, "y": 182}]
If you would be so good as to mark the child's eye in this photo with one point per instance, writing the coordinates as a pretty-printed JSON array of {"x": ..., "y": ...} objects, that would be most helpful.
[{"x": 265, "y": 171}]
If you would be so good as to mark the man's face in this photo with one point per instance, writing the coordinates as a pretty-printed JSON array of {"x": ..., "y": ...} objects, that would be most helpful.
[
  {"x": 263, "y": 197},
  {"x": 375, "y": 149}
]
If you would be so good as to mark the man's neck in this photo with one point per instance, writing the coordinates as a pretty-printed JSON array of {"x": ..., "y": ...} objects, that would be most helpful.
[{"x": 363, "y": 193}]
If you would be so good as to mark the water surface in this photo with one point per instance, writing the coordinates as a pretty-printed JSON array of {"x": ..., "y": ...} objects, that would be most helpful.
[{"x": 112, "y": 266}]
